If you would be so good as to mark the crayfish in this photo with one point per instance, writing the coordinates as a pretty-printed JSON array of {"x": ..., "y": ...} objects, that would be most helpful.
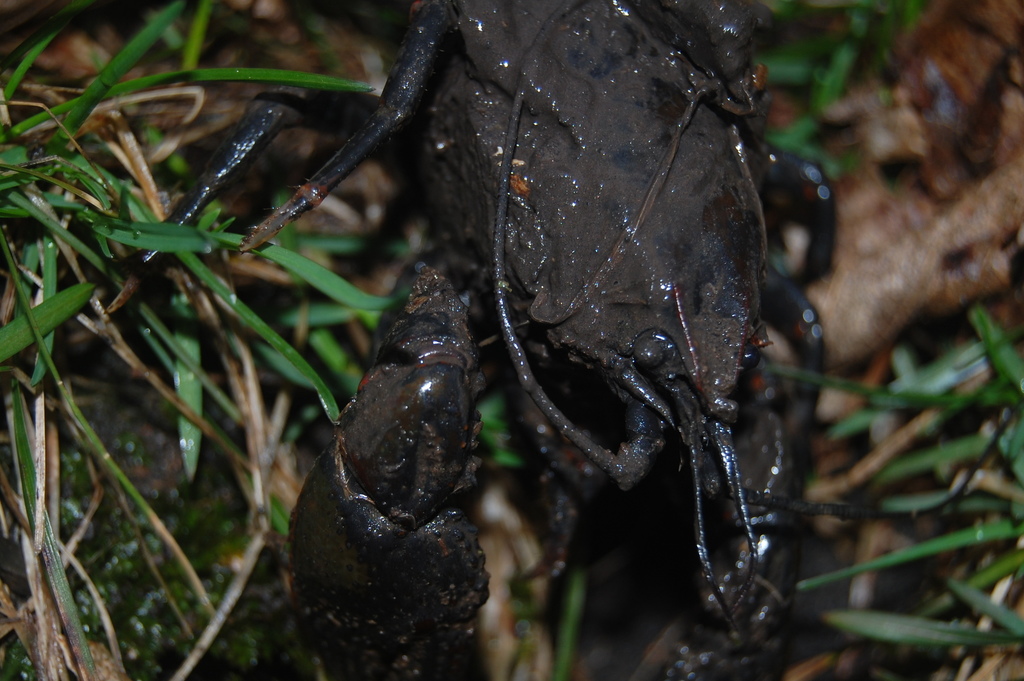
[{"x": 595, "y": 169}]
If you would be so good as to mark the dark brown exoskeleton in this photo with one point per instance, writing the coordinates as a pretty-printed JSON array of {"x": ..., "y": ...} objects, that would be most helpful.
[
  {"x": 600, "y": 163},
  {"x": 616, "y": 150},
  {"x": 385, "y": 572}
]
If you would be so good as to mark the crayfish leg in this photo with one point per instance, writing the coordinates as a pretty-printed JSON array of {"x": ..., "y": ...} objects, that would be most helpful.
[
  {"x": 266, "y": 116},
  {"x": 399, "y": 100},
  {"x": 802, "y": 189}
]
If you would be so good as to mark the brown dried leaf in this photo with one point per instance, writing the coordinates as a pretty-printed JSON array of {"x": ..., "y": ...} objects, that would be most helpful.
[{"x": 900, "y": 257}]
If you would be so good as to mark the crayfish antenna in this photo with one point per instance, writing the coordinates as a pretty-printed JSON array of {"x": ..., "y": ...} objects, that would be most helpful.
[
  {"x": 696, "y": 456},
  {"x": 722, "y": 437}
]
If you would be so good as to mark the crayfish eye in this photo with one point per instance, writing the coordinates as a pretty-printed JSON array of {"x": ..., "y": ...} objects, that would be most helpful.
[
  {"x": 652, "y": 350},
  {"x": 751, "y": 357}
]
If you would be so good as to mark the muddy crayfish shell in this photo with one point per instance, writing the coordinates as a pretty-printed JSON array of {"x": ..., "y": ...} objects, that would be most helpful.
[{"x": 387, "y": 578}]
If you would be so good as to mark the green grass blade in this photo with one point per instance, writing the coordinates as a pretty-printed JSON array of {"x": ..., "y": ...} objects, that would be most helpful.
[
  {"x": 160, "y": 330},
  {"x": 1000, "y": 567},
  {"x": 980, "y": 602},
  {"x": 316, "y": 275},
  {"x": 124, "y": 60},
  {"x": 885, "y": 398},
  {"x": 994, "y": 531},
  {"x": 857, "y": 422},
  {"x": 96, "y": 445},
  {"x": 279, "y": 365},
  {"x": 330, "y": 352},
  {"x": 999, "y": 347},
  {"x": 915, "y": 631},
  {"x": 196, "y": 34},
  {"x": 302, "y": 79},
  {"x": 52, "y": 563},
  {"x": 1012, "y": 446},
  {"x": 929, "y": 502},
  {"x": 188, "y": 385},
  {"x": 168, "y": 237},
  {"x": 61, "y": 590},
  {"x": 924, "y": 460},
  {"x": 268, "y": 334},
  {"x": 280, "y": 517},
  {"x": 336, "y": 244},
  {"x": 57, "y": 230},
  {"x": 165, "y": 237},
  {"x": 945, "y": 373},
  {"x": 570, "y": 622},
  {"x": 21, "y": 175},
  {"x": 316, "y": 315},
  {"x": 494, "y": 432},
  {"x": 274, "y": 77},
  {"x": 833, "y": 81},
  {"x": 48, "y": 315},
  {"x": 49, "y": 267},
  {"x": 32, "y": 46}
]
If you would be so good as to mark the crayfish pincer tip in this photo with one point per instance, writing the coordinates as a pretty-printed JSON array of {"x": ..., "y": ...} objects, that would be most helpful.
[
  {"x": 264, "y": 232},
  {"x": 302, "y": 201}
]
